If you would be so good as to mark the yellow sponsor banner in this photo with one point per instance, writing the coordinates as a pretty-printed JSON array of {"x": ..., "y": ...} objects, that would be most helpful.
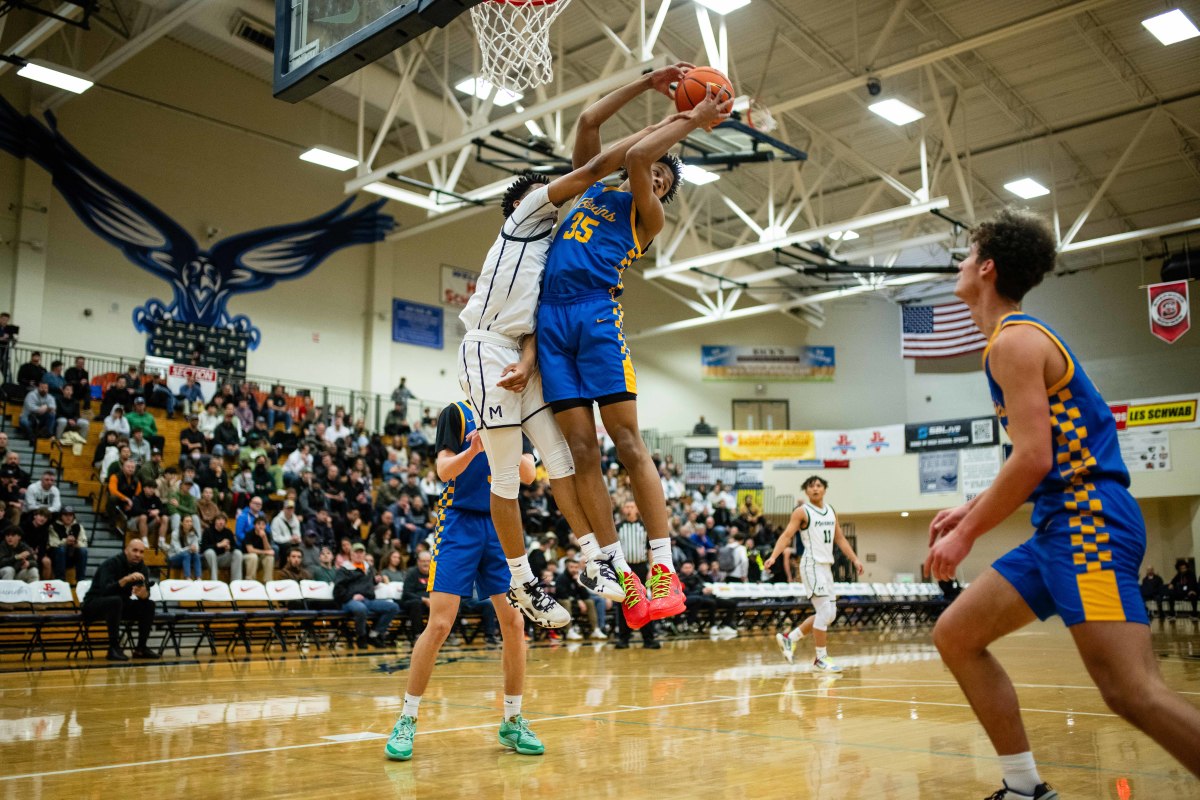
[
  {"x": 1169, "y": 413},
  {"x": 767, "y": 445}
]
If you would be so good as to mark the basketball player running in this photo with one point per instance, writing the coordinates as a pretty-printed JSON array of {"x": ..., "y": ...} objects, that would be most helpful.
[
  {"x": 498, "y": 368},
  {"x": 466, "y": 553},
  {"x": 1082, "y": 561},
  {"x": 583, "y": 353},
  {"x": 819, "y": 532}
]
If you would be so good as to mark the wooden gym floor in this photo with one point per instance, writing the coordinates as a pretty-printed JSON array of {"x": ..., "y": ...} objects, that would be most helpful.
[{"x": 699, "y": 718}]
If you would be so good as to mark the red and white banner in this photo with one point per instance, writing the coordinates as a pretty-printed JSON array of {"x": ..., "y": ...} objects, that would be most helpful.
[
  {"x": 177, "y": 375},
  {"x": 1169, "y": 317},
  {"x": 851, "y": 445}
]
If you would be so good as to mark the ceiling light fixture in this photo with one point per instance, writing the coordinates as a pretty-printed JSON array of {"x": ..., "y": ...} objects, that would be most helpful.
[
  {"x": 56, "y": 76},
  {"x": 328, "y": 157},
  {"x": 404, "y": 196},
  {"x": 481, "y": 89},
  {"x": 896, "y": 111},
  {"x": 698, "y": 176},
  {"x": 843, "y": 236},
  {"x": 723, "y": 6},
  {"x": 1171, "y": 27},
  {"x": 1027, "y": 188}
]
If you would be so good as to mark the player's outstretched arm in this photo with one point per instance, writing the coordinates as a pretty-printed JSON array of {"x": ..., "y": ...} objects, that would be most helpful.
[
  {"x": 1018, "y": 360},
  {"x": 798, "y": 520},
  {"x": 587, "y": 127}
]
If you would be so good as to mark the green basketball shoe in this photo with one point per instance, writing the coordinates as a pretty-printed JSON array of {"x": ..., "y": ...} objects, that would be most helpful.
[
  {"x": 399, "y": 745},
  {"x": 515, "y": 733}
]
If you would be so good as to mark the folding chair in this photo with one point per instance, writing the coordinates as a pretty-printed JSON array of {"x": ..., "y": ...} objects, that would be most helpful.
[
  {"x": 331, "y": 619},
  {"x": 19, "y": 626},
  {"x": 223, "y": 619},
  {"x": 57, "y": 614},
  {"x": 285, "y": 596},
  {"x": 251, "y": 598}
]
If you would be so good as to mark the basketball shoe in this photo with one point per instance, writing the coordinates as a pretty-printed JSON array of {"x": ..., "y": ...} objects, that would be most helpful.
[
  {"x": 600, "y": 576},
  {"x": 666, "y": 593},
  {"x": 399, "y": 745},
  {"x": 536, "y": 603},
  {"x": 787, "y": 647},
  {"x": 1040, "y": 792},
  {"x": 825, "y": 665},
  {"x": 515, "y": 734},
  {"x": 635, "y": 605}
]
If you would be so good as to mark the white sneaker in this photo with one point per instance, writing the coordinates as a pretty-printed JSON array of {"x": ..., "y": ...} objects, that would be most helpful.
[
  {"x": 574, "y": 635},
  {"x": 535, "y": 603},
  {"x": 713, "y": 630},
  {"x": 786, "y": 646},
  {"x": 599, "y": 634},
  {"x": 825, "y": 665},
  {"x": 600, "y": 576},
  {"x": 728, "y": 631}
]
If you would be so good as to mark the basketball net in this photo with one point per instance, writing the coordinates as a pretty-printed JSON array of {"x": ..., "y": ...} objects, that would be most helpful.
[{"x": 514, "y": 38}]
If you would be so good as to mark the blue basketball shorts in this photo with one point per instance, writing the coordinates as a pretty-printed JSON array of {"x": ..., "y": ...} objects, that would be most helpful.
[
  {"x": 582, "y": 352},
  {"x": 466, "y": 551},
  {"x": 1082, "y": 562}
]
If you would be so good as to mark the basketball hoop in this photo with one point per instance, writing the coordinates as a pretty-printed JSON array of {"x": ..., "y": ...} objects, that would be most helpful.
[
  {"x": 759, "y": 117},
  {"x": 514, "y": 38}
]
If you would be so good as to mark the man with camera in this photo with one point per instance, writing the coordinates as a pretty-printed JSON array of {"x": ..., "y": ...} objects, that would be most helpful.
[{"x": 119, "y": 591}]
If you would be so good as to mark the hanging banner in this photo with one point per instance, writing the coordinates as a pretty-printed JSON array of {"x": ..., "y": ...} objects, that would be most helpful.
[
  {"x": 177, "y": 375},
  {"x": 1169, "y": 312},
  {"x": 457, "y": 285},
  {"x": 1177, "y": 411},
  {"x": 702, "y": 466},
  {"x": 767, "y": 445},
  {"x": 1145, "y": 451},
  {"x": 727, "y": 363},
  {"x": 850, "y": 445},
  {"x": 951, "y": 434},
  {"x": 938, "y": 472},
  {"x": 417, "y": 323},
  {"x": 977, "y": 468}
]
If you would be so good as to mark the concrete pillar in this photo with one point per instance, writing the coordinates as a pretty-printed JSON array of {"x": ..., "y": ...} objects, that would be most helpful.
[{"x": 377, "y": 348}]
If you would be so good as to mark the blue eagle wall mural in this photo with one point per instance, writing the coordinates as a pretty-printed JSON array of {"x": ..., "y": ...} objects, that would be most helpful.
[{"x": 203, "y": 280}]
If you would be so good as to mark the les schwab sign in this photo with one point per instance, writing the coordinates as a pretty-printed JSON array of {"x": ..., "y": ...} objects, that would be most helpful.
[{"x": 1156, "y": 412}]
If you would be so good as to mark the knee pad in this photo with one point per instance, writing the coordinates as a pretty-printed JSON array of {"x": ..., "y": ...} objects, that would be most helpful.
[
  {"x": 826, "y": 612},
  {"x": 506, "y": 482}
]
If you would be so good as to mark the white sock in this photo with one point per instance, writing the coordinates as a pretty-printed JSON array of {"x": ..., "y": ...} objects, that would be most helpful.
[
  {"x": 521, "y": 571},
  {"x": 1020, "y": 772},
  {"x": 590, "y": 546},
  {"x": 411, "y": 705},
  {"x": 614, "y": 552},
  {"x": 660, "y": 550},
  {"x": 822, "y": 653},
  {"x": 796, "y": 634},
  {"x": 512, "y": 705}
]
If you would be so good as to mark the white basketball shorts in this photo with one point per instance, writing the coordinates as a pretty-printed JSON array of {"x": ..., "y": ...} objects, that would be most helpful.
[
  {"x": 817, "y": 578},
  {"x": 481, "y": 360}
]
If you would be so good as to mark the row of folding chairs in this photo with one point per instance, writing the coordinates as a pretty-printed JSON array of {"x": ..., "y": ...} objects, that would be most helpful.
[{"x": 860, "y": 604}]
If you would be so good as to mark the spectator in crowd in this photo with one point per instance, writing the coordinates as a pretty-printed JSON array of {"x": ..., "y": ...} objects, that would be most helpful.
[
  {"x": 293, "y": 568},
  {"x": 296, "y": 464},
  {"x": 139, "y": 447},
  {"x": 702, "y": 428},
  {"x": 575, "y": 598},
  {"x": 3, "y": 446},
  {"x": 1182, "y": 587},
  {"x": 411, "y": 527},
  {"x": 184, "y": 549},
  {"x": 220, "y": 549},
  {"x": 18, "y": 561},
  {"x": 354, "y": 591},
  {"x": 213, "y": 477},
  {"x": 431, "y": 487},
  {"x": 546, "y": 553},
  {"x": 35, "y": 531},
  {"x": 243, "y": 486},
  {"x": 116, "y": 422},
  {"x": 344, "y": 552},
  {"x": 415, "y": 597},
  {"x": 734, "y": 560},
  {"x": 227, "y": 436},
  {"x": 68, "y": 418},
  {"x": 12, "y": 498},
  {"x": 182, "y": 504},
  {"x": 108, "y": 440},
  {"x": 1152, "y": 588},
  {"x": 348, "y": 526},
  {"x": 320, "y": 525},
  {"x": 244, "y": 413},
  {"x": 207, "y": 508},
  {"x": 78, "y": 377},
  {"x": 400, "y": 396},
  {"x": 285, "y": 530},
  {"x": 247, "y": 517},
  {"x": 277, "y": 408},
  {"x": 44, "y": 493},
  {"x": 31, "y": 372},
  {"x": 110, "y": 599},
  {"x": 190, "y": 397},
  {"x": 38, "y": 412},
  {"x": 148, "y": 517},
  {"x": 54, "y": 378},
  {"x": 155, "y": 388},
  {"x": 309, "y": 549},
  {"x": 69, "y": 545},
  {"x": 392, "y": 568},
  {"x": 257, "y": 549},
  {"x": 142, "y": 419},
  {"x": 12, "y": 465},
  {"x": 210, "y": 418},
  {"x": 381, "y": 539},
  {"x": 412, "y": 486},
  {"x": 325, "y": 570},
  {"x": 701, "y": 602},
  {"x": 8, "y": 335},
  {"x": 152, "y": 469},
  {"x": 192, "y": 443},
  {"x": 123, "y": 487},
  {"x": 396, "y": 422},
  {"x": 631, "y": 532}
]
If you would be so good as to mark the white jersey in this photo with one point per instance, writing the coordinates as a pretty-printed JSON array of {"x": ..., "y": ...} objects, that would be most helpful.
[
  {"x": 506, "y": 296},
  {"x": 817, "y": 538}
]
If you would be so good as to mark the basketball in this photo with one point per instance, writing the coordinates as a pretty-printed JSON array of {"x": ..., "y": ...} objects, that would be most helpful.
[{"x": 694, "y": 86}]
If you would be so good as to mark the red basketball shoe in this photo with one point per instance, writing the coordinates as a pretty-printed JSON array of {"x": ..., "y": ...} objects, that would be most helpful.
[
  {"x": 666, "y": 593},
  {"x": 636, "y": 606}
]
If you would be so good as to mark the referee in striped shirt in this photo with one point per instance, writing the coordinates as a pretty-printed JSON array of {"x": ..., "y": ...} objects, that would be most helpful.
[{"x": 636, "y": 546}]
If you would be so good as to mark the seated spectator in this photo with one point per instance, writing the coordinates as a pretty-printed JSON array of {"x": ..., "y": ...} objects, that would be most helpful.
[
  {"x": 156, "y": 391},
  {"x": 31, "y": 372},
  {"x": 192, "y": 443},
  {"x": 139, "y": 447},
  {"x": 182, "y": 504},
  {"x": 244, "y": 413},
  {"x": 1152, "y": 590},
  {"x": 18, "y": 561},
  {"x": 12, "y": 498},
  {"x": 264, "y": 482},
  {"x": 388, "y": 493},
  {"x": 320, "y": 525},
  {"x": 257, "y": 549},
  {"x": 227, "y": 435},
  {"x": 210, "y": 418},
  {"x": 381, "y": 539},
  {"x": 38, "y": 413},
  {"x": 309, "y": 549},
  {"x": 325, "y": 570},
  {"x": 247, "y": 517},
  {"x": 348, "y": 526},
  {"x": 44, "y": 493},
  {"x": 68, "y": 420},
  {"x": 414, "y": 599},
  {"x": 213, "y": 476},
  {"x": 123, "y": 487},
  {"x": 345, "y": 551},
  {"x": 701, "y": 600},
  {"x": 35, "y": 532},
  {"x": 702, "y": 428},
  {"x": 220, "y": 549},
  {"x": 277, "y": 408},
  {"x": 148, "y": 517},
  {"x": 243, "y": 486},
  {"x": 141, "y": 419},
  {"x": 110, "y": 600},
  {"x": 3, "y": 446},
  {"x": 184, "y": 549},
  {"x": 68, "y": 545},
  {"x": 354, "y": 591},
  {"x": 575, "y": 597},
  {"x": 392, "y": 566},
  {"x": 293, "y": 568},
  {"x": 396, "y": 423},
  {"x": 77, "y": 376},
  {"x": 1182, "y": 589},
  {"x": 300, "y": 460},
  {"x": 285, "y": 530},
  {"x": 207, "y": 508},
  {"x": 118, "y": 394},
  {"x": 54, "y": 378},
  {"x": 411, "y": 527},
  {"x": 338, "y": 429},
  {"x": 190, "y": 397},
  {"x": 116, "y": 422},
  {"x": 151, "y": 470}
]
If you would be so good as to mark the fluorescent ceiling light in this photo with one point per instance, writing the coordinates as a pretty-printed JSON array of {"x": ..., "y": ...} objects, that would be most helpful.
[
  {"x": 843, "y": 236},
  {"x": 56, "y": 76},
  {"x": 723, "y": 6},
  {"x": 403, "y": 196},
  {"x": 327, "y": 157},
  {"x": 481, "y": 89},
  {"x": 1027, "y": 188},
  {"x": 896, "y": 112},
  {"x": 530, "y": 125},
  {"x": 698, "y": 176},
  {"x": 904, "y": 513},
  {"x": 1171, "y": 27}
]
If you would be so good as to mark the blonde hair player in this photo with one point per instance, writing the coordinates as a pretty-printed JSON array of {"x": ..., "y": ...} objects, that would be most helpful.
[{"x": 819, "y": 531}]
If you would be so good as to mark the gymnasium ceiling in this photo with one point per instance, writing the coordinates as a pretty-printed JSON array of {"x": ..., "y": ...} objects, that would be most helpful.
[{"x": 1062, "y": 92}]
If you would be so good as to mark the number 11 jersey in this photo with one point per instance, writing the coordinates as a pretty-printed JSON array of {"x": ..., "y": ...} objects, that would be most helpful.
[{"x": 817, "y": 538}]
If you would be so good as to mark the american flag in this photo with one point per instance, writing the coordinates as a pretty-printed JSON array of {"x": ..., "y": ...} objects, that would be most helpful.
[{"x": 939, "y": 331}]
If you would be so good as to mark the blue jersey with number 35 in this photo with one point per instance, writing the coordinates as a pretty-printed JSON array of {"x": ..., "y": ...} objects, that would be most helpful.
[{"x": 593, "y": 246}]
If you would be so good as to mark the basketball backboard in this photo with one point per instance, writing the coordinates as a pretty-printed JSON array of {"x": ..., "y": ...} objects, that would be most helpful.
[{"x": 318, "y": 42}]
